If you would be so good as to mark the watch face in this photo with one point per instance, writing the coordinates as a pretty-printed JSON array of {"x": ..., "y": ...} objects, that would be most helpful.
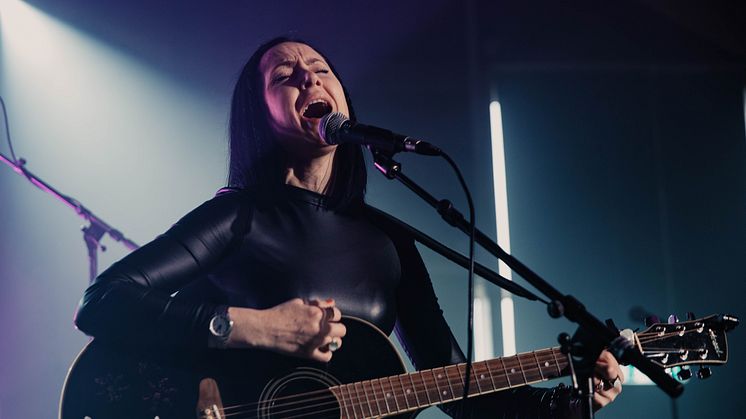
[{"x": 220, "y": 326}]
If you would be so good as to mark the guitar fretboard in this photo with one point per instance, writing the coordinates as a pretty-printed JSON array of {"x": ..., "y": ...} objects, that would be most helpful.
[{"x": 406, "y": 392}]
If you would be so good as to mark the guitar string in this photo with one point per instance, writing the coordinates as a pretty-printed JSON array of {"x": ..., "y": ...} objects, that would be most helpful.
[
  {"x": 667, "y": 335},
  {"x": 331, "y": 406},
  {"x": 335, "y": 410},
  {"x": 549, "y": 357},
  {"x": 542, "y": 352},
  {"x": 655, "y": 336},
  {"x": 701, "y": 323},
  {"x": 334, "y": 406},
  {"x": 356, "y": 401},
  {"x": 646, "y": 334},
  {"x": 335, "y": 413}
]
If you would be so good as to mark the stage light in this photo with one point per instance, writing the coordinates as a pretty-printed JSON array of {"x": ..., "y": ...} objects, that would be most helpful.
[
  {"x": 500, "y": 188},
  {"x": 483, "y": 343},
  {"x": 99, "y": 121},
  {"x": 744, "y": 111}
]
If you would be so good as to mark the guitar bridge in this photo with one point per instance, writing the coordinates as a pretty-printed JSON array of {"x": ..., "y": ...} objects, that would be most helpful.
[
  {"x": 209, "y": 403},
  {"x": 212, "y": 412}
]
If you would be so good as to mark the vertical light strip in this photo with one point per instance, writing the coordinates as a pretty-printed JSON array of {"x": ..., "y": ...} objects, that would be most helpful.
[
  {"x": 744, "y": 110},
  {"x": 503, "y": 231},
  {"x": 484, "y": 347}
]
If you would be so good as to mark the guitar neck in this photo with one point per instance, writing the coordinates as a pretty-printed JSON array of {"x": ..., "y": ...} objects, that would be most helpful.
[{"x": 407, "y": 392}]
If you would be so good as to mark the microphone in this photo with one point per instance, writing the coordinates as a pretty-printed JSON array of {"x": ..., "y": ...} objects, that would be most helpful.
[{"x": 336, "y": 128}]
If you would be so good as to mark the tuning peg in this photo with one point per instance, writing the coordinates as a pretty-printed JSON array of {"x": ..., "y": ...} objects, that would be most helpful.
[
  {"x": 729, "y": 322},
  {"x": 684, "y": 374},
  {"x": 704, "y": 372},
  {"x": 690, "y": 315},
  {"x": 651, "y": 320},
  {"x": 673, "y": 319}
]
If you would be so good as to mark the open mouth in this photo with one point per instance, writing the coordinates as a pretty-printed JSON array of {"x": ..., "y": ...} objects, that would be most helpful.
[{"x": 317, "y": 109}]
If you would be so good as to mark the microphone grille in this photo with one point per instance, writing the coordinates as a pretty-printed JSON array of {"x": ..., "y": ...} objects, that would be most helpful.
[{"x": 329, "y": 125}]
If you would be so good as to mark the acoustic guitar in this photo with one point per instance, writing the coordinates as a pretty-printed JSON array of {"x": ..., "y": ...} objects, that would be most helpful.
[{"x": 365, "y": 379}]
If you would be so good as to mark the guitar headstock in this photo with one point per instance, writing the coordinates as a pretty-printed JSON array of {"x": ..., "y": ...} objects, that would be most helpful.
[{"x": 698, "y": 341}]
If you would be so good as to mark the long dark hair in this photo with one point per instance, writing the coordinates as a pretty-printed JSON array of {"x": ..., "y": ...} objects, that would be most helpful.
[{"x": 256, "y": 158}]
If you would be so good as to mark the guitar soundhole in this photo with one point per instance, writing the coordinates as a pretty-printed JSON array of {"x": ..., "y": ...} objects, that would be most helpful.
[{"x": 304, "y": 393}]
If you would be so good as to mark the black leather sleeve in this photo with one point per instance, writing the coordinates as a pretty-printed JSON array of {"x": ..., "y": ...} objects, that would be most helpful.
[
  {"x": 131, "y": 301},
  {"x": 429, "y": 343}
]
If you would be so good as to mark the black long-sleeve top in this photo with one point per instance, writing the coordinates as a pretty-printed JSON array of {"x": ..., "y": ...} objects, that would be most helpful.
[{"x": 262, "y": 252}]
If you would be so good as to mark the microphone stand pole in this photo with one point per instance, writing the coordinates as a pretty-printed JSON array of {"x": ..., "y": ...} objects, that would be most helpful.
[
  {"x": 92, "y": 233},
  {"x": 462, "y": 260},
  {"x": 592, "y": 335}
]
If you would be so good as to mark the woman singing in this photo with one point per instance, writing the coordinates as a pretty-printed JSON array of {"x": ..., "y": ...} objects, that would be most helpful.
[{"x": 290, "y": 246}]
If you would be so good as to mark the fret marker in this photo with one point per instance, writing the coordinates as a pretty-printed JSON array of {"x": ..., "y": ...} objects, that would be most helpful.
[
  {"x": 388, "y": 395},
  {"x": 482, "y": 376},
  {"x": 546, "y": 364},
  {"x": 512, "y": 370},
  {"x": 440, "y": 375},
  {"x": 444, "y": 392},
  {"x": 409, "y": 391}
]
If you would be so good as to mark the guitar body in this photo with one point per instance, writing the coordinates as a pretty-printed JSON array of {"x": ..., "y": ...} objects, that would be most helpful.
[{"x": 108, "y": 382}]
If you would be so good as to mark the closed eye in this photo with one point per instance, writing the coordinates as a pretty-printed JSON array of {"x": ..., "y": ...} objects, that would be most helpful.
[{"x": 279, "y": 79}]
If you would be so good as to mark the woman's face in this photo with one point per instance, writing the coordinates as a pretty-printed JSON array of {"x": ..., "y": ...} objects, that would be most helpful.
[{"x": 299, "y": 89}]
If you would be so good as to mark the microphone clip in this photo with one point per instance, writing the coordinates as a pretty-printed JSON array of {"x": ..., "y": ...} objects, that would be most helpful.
[{"x": 385, "y": 162}]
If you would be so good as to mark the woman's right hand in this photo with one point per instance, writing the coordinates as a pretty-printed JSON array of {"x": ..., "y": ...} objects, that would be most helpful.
[{"x": 293, "y": 328}]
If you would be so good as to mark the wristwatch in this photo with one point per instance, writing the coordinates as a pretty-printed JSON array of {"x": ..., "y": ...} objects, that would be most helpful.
[{"x": 220, "y": 327}]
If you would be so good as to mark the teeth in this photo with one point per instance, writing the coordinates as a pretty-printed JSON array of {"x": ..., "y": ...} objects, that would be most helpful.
[{"x": 303, "y": 112}]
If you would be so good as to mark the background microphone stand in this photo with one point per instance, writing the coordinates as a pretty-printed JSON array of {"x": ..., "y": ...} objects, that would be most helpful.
[
  {"x": 592, "y": 335},
  {"x": 92, "y": 232}
]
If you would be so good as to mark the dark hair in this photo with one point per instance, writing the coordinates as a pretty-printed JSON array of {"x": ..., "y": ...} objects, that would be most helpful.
[{"x": 256, "y": 158}]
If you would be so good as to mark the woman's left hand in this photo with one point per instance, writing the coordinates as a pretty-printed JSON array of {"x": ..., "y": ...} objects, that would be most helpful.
[{"x": 608, "y": 380}]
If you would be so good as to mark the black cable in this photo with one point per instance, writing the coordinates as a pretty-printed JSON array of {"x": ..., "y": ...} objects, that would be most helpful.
[
  {"x": 7, "y": 131},
  {"x": 470, "y": 330}
]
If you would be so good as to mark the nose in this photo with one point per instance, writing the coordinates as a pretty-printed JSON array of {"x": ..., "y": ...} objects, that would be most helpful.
[{"x": 310, "y": 78}]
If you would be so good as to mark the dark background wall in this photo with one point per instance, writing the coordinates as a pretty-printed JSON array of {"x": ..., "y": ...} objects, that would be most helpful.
[{"x": 624, "y": 131}]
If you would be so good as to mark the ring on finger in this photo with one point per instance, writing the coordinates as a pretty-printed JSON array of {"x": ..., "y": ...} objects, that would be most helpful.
[
  {"x": 607, "y": 384},
  {"x": 334, "y": 344}
]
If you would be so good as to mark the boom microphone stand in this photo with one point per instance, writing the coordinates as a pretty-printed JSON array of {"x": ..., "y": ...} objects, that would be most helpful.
[
  {"x": 92, "y": 232},
  {"x": 592, "y": 335}
]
